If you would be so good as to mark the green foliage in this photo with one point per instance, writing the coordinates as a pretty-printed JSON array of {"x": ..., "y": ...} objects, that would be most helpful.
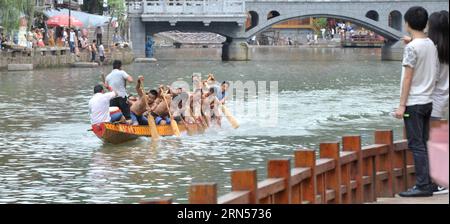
[
  {"x": 92, "y": 6},
  {"x": 117, "y": 10},
  {"x": 12, "y": 10},
  {"x": 319, "y": 23}
]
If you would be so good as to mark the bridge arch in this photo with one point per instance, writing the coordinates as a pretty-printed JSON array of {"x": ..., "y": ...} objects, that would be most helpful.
[
  {"x": 395, "y": 20},
  {"x": 153, "y": 28},
  {"x": 377, "y": 27},
  {"x": 272, "y": 14},
  {"x": 373, "y": 15},
  {"x": 252, "y": 20}
]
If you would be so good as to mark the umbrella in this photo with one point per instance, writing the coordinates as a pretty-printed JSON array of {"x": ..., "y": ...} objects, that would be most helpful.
[
  {"x": 88, "y": 20},
  {"x": 63, "y": 20}
]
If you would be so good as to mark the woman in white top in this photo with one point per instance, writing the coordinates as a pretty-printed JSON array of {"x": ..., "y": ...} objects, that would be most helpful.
[{"x": 438, "y": 33}]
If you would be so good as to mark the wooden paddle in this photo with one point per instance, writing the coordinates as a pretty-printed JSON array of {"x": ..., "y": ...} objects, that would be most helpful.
[
  {"x": 151, "y": 119},
  {"x": 173, "y": 123},
  {"x": 234, "y": 123}
]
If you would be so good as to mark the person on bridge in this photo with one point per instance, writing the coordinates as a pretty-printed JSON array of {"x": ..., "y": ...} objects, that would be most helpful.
[
  {"x": 420, "y": 62},
  {"x": 117, "y": 80}
]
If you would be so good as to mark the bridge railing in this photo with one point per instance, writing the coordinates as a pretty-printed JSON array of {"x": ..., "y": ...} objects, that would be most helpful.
[
  {"x": 347, "y": 174},
  {"x": 135, "y": 7},
  {"x": 199, "y": 7}
]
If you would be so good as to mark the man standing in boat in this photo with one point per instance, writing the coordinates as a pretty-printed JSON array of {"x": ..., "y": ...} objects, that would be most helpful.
[{"x": 117, "y": 80}]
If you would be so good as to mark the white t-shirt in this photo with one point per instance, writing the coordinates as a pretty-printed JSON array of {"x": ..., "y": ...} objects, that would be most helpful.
[
  {"x": 72, "y": 37},
  {"x": 99, "y": 107},
  {"x": 101, "y": 50},
  {"x": 421, "y": 55},
  {"x": 440, "y": 93},
  {"x": 116, "y": 79}
]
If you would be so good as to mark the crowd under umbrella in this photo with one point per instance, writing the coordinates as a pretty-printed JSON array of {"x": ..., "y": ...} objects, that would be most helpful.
[
  {"x": 64, "y": 21},
  {"x": 88, "y": 20}
]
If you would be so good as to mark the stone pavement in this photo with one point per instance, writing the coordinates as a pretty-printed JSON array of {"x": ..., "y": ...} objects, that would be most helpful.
[{"x": 436, "y": 199}]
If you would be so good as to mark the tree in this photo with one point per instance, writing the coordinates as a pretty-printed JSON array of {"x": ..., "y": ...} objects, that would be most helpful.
[
  {"x": 12, "y": 10},
  {"x": 92, "y": 6},
  {"x": 318, "y": 24},
  {"x": 117, "y": 10}
]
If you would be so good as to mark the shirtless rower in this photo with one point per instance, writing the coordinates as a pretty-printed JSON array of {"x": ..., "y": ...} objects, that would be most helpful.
[
  {"x": 210, "y": 107},
  {"x": 159, "y": 109},
  {"x": 142, "y": 104}
]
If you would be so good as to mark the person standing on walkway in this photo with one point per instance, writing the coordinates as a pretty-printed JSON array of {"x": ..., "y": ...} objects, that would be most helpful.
[
  {"x": 101, "y": 53},
  {"x": 420, "y": 62},
  {"x": 93, "y": 50},
  {"x": 117, "y": 80},
  {"x": 72, "y": 41},
  {"x": 99, "y": 34},
  {"x": 438, "y": 33},
  {"x": 438, "y": 26}
]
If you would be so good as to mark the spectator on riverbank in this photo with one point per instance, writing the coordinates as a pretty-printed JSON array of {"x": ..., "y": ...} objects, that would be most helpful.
[
  {"x": 40, "y": 38},
  {"x": 93, "y": 50},
  {"x": 438, "y": 32},
  {"x": 29, "y": 38},
  {"x": 72, "y": 41},
  {"x": 99, "y": 34},
  {"x": 84, "y": 43},
  {"x": 438, "y": 27},
  {"x": 101, "y": 53},
  {"x": 116, "y": 37},
  {"x": 51, "y": 37},
  {"x": 1, "y": 41},
  {"x": 64, "y": 38},
  {"x": 417, "y": 83}
]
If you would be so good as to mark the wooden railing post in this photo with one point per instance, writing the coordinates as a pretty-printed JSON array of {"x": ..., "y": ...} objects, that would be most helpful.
[
  {"x": 281, "y": 168},
  {"x": 384, "y": 164},
  {"x": 333, "y": 178},
  {"x": 203, "y": 193},
  {"x": 307, "y": 158},
  {"x": 353, "y": 144},
  {"x": 245, "y": 180}
]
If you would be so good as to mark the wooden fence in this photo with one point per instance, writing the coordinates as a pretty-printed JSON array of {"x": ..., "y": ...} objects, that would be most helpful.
[{"x": 351, "y": 174}]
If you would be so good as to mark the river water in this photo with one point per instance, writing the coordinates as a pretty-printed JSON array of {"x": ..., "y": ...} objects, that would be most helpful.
[{"x": 48, "y": 156}]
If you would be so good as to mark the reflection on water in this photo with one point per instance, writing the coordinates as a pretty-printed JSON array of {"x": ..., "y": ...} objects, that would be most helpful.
[{"x": 48, "y": 156}]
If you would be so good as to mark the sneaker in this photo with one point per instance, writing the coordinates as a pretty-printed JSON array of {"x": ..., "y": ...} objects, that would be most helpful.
[
  {"x": 416, "y": 192},
  {"x": 438, "y": 190}
]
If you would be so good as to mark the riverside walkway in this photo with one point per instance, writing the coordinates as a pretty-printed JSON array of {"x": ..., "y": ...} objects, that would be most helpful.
[{"x": 436, "y": 199}]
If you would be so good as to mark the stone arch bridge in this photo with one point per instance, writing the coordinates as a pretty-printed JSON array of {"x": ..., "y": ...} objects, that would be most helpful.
[{"x": 239, "y": 20}]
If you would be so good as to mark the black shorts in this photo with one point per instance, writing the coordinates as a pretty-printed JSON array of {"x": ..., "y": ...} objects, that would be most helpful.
[
  {"x": 102, "y": 58},
  {"x": 121, "y": 103}
]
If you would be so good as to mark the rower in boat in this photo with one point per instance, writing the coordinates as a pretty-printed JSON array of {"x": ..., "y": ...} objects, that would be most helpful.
[
  {"x": 159, "y": 109},
  {"x": 142, "y": 103},
  {"x": 99, "y": 109},
  {"x": 220, "y": 91},
  {"x": 210, "y": 107},
  {"x": 164, "y": 112}
]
